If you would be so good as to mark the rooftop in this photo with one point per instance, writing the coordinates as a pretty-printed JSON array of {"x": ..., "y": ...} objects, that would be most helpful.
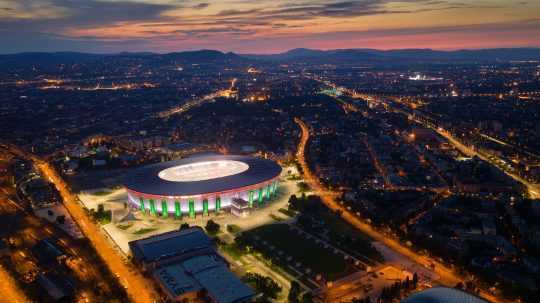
[
  {"x": 204, "y": 272},
  {"x": 169, "y": 244},
  {"x": 201, "y": 175},
  {"x": 442, "y": 295}
]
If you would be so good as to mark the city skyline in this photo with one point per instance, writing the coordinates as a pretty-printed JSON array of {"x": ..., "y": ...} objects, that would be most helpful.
[{"x": 263, "y": 27}]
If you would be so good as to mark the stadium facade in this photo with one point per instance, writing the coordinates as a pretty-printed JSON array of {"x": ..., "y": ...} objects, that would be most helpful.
[{"x": 202, "y": 184}]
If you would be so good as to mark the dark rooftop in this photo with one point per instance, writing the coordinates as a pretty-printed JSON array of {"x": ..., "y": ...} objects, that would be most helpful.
[{"x": 146, "y": 179}]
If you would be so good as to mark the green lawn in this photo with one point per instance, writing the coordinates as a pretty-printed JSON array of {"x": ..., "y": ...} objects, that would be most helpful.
[
  {"x": 101, "y": 193},
  {"x": 300, "y": 249},
  {"x": 287, "y": 212},
  {"x": 142, "y": 231},
  {"x": 338, "y": 228}
]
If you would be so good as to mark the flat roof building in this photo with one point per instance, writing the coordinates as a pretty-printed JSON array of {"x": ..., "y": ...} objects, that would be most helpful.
[{"x": 186, "y": 265}]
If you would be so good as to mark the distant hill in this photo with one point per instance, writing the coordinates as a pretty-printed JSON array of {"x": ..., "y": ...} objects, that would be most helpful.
[
  {"x": 303, "y": 55},
  {"x": 22, "y": 60},
  {"x": 352, "y": 56}
]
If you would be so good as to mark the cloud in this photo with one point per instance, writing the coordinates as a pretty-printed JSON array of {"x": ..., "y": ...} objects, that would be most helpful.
[
  {"x": 201, "y": 5},
  {"x": 82, "y": 13},
  {"x": 117, "y": 25}
]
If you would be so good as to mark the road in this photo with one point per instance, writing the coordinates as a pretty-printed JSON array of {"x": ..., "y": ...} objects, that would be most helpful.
[
  {"x": 138, "y": 288},
  {"x": 533, "y": 189},
  {"x": 9, "y": 289},
  {"x": 194, "y": 103},
  {"x": 447, "y": 276}
]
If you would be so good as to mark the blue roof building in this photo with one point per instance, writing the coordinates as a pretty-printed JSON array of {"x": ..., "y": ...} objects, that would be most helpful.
[{"x": 186, "y": 265}]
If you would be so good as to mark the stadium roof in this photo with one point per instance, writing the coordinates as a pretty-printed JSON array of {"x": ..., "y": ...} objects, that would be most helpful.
[
  {"x": 209, "y": 174},
  {"x": 442, "y": 295}
]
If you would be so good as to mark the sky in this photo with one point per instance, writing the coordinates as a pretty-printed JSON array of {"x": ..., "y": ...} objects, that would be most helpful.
[{"x": 265, "y": 26}]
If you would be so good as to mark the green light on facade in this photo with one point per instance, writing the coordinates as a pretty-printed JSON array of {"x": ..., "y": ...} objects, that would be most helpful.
[
  {"x": 218, "y": 204},
  {"x": 261, "y": 196},
  {"x": 191, "y": 204},
  {"x": 153, "y": 207},
  {"x": 250, "y": 199},
  {"x": 205, "y": 207},
  {"x": 177, "y": 210},
  {"x": 164, "y": 209},
  {"x": 268, "y": 192},
  {"x": 141, "y": 204}
]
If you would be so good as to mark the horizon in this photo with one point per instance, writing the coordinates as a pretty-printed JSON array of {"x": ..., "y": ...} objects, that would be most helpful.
[
  {"x": 264, "y": 27},
  {"x": 270, "y": 54}
]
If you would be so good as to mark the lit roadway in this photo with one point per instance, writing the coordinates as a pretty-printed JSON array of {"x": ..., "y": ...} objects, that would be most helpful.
[
  {"x": 9, "y": 289},
  {"x": 447, "y": 276},
  {"x": 197, "y": 102},
  {"x": 138, "y": 288},
  {"x": 533, "y": 189},
  {"x": 188, "y": 105}
]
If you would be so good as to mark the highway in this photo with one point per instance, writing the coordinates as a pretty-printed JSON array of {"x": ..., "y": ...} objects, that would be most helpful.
[
  {"x": 138, "y": 288},
  {"x": 188, "y": 105},
  {"x": 446, "y": 275},
  {"x": 9, "y": 289},
  {"x": 533, "y": 189}
]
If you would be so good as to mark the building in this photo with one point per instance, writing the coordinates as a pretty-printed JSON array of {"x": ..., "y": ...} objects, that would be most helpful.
[
  {"x": 442, "y": 295},
  {"x": 240, "y": 207},
  {"x": 201, "y": 184},
  {"x": 186, "y": 266}
]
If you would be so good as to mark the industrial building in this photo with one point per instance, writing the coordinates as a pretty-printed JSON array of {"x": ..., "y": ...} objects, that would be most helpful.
[{"x": 186, "y": 265}]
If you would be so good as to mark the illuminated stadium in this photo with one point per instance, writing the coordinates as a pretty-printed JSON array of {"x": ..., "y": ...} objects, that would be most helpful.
[{"x": 202, "y": 184}]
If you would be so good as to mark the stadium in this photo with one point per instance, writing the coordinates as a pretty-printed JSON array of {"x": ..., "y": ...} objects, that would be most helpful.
[{"x": 203, "y": 184}]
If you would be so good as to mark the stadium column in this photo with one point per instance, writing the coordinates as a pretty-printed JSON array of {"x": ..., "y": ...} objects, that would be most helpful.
[
  {"x": 274, "y": 188},
  {"x": 177, "y": 210},
  {"x": 141, "y": 204},
  {"x": 191, "y": 204},
  {"x": 153, "y": 207},
  {"x": 250, "y": 199},
  {"x": 268, "y": 191},
  {"x": 261, "y": 196},
  {"x": 218, "y": 204},
  {"x": 205, "y": 207},
  {"x": 164, "y": 209}
]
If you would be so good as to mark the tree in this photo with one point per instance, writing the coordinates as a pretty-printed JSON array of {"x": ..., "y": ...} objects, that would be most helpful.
[
  {"x": 294, "y": 293},
  {"x": 307, "y": 297},
  {"x": 61, "y": 219},
  {"x": 184, "y": 226},
  {"x": 212, "y": 227},
  {"x": 268, "y": 287},
  {"x": 415, "y": 280},
  {"x": 407, "y": 283},
  {"x": 303, "y": 187}
]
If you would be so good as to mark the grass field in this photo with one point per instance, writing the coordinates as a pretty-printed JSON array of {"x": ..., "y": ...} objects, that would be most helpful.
[
  {"x": 101, "y": 192},
  {"x": 142, "y": 231},
  {"x": 303, "y": 250}
]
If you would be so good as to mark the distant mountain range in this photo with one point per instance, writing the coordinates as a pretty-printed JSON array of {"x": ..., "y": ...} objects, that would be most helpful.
[
  {"x": 299, "y": 55},
  {"x": 409, "y": 55}
]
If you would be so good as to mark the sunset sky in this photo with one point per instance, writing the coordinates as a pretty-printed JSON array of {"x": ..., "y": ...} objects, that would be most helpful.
[{"x": 265, "y": 26}]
